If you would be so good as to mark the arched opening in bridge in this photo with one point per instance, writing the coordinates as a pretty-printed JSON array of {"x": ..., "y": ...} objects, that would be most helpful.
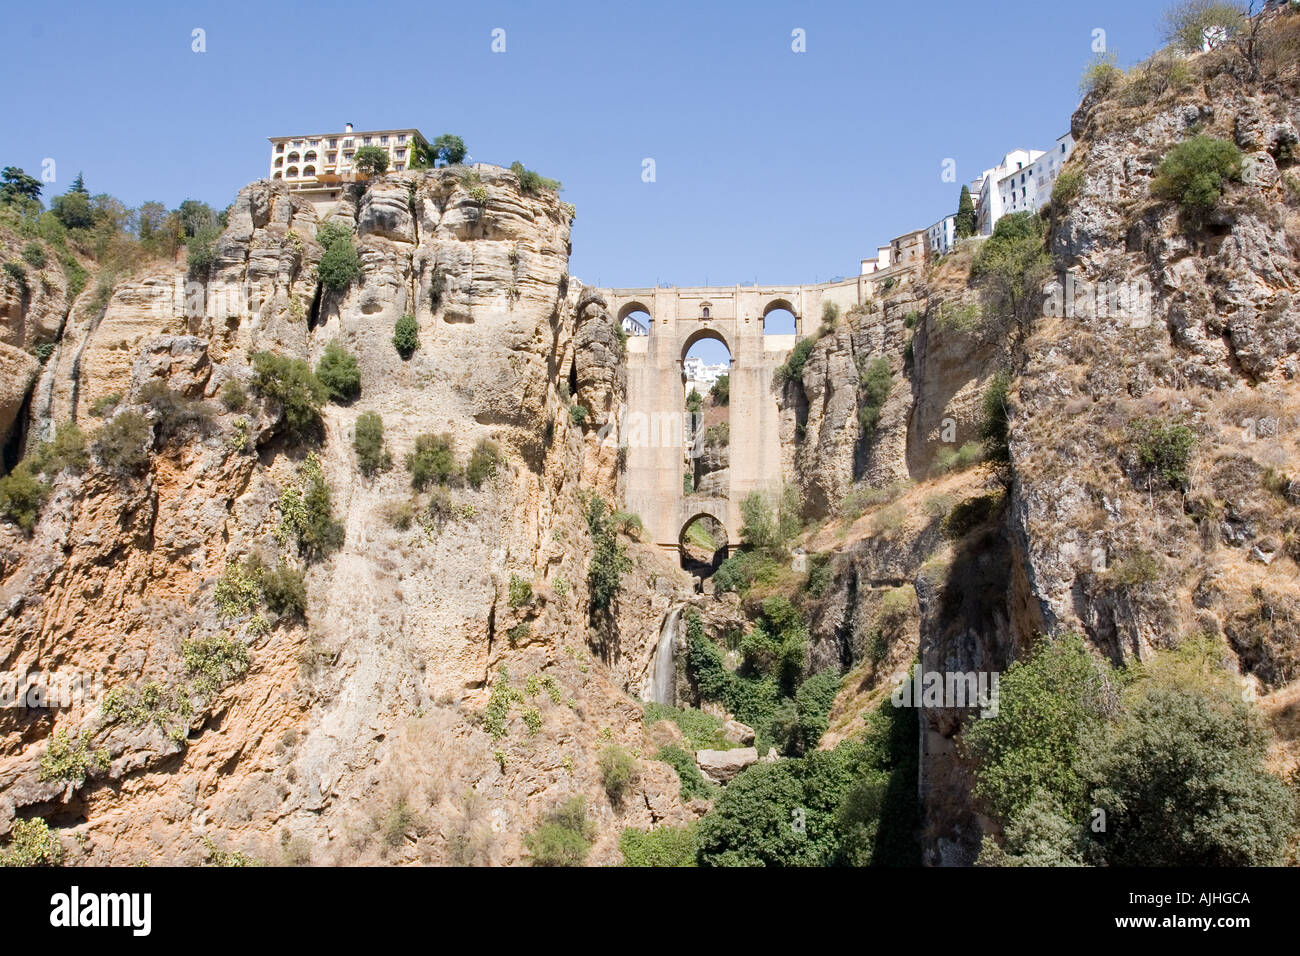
[
  {"x": 703, "y": 545},
  {"x": 706, "y": 397},
  {"x": 635, "y": 319},
  {"x": 778, "y": 318}
]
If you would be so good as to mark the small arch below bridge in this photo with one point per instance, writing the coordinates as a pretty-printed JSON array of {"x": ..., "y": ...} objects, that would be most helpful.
[{"x": 702, "y": 544}]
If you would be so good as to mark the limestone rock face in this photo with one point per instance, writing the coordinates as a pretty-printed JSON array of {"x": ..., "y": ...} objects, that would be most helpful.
[
  {"x": 32, "y": 308},
  {"x": 17, "y": 372},
  {"x": 374, "y": 698}
]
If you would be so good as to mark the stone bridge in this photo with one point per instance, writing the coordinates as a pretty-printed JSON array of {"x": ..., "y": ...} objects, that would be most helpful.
[{"x": 656, "y": 392}]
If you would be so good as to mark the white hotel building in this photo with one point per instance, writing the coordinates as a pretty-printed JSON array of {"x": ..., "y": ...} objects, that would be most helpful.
[{"x": 318, "y": 164}]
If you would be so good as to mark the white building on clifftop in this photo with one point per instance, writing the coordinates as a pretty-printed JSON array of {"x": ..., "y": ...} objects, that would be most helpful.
[
  {"x": 318, "y": 164},
  {"x": 1022, "y": 182}
]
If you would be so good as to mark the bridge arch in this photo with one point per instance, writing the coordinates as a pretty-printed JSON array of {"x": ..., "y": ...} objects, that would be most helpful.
[
  {"x": 700, "y": 335},
  {"x": 701, "y": 553},
  {"x": 776, "y": 323},
  {"x": 628, "y": 314}
]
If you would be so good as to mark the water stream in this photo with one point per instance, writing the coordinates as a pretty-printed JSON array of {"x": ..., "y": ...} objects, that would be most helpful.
[{"x": 663, "y": 672}]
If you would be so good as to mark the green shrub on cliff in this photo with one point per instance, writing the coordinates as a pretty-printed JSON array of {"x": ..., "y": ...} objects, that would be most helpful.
[
  {"x": 122, "y": 444},
  {"x": 791, "y": 370},
  {"x": 338, "y": 371},
  {"x": 368, "y": 441},
  {"x": 31, "y": 843},
  {"x": 1159, "y": 764},
  {"x": 294, "y": 386},
  {"x": 1193, "y": 174},
  {"x": 431, "y": 461},
  {"x": 661, "y": 846},
  {"x": 564, "y": 835},
  {"x": 340, "y": 265},
  {"x": 608, "y": 560},
  {"x": 406, "y": 336}
]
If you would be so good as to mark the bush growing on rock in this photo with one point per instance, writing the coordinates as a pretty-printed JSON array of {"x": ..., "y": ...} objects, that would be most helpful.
[
  {"x": 564, "y": 835},
  {"x": 201, "y": 250},
  {"x": 406, "y": 336},
  {"x": 431, "y": 461},
  {"x": 532, "y": 183},
  {"x": 104, "y": 406},
  {"x": 294, "y": 386},
  {"x": 791, "y": 370},
  {"x": 608, "y": 559},
  {"x": 122, "y": 444},
  {"x": 618, "y": 771},
  {"x": 234, "y": 397},
  {"x": 1168, "y": 749},
  {"x": 34, "y": 255},
  {"x": 307, "y": 514},
  {"x": 212, "y": 662},
  {"x": 484, "y": 461},
  {"x": 1067, "y": 186},
  {"x": 876, "y": 379},
  {"x": 31, "y": 843},
  {"x": 284, "y": 589},
  {"x": 521, "y": 592},
  {"x": 1012, "y": 264},
  {"x": 66, "y": 452},
  {"x": 22, "y": 495},
  {"x": 337, "y": 370},
  {"x": 368, "y": 441},
  {"x": 174, "y": 414},
  {"x": 1193, "y": 174},
  {"x": 1164, "y": 448},
  {"x": 340, "y": 265},
  {"x": 16, "y": 272},
  {"x": 995, "y": 422},
  {"x": 662, "y": 846}
]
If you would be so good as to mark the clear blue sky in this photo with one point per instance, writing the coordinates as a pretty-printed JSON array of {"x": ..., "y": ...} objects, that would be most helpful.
[{"x": 771, "y": 165}]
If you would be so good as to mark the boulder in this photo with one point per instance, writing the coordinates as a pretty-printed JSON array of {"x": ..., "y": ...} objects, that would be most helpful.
[
  {"x": 721, "y": 766},
  {"x": 737, "y": 732}
]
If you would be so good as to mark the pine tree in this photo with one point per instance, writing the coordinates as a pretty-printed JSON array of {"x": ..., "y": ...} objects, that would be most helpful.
[
  {"x": 79, "y": 186},
  {"x": 965, "y": 214}
]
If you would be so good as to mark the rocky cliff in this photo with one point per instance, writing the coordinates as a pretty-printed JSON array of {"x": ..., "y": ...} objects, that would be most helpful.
[
  {"x": 356, "y": 731},
  {"x": 1151, "y": 324}
]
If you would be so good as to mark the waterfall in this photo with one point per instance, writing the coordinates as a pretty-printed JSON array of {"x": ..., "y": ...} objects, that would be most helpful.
[{"x": 663, "y": 672}]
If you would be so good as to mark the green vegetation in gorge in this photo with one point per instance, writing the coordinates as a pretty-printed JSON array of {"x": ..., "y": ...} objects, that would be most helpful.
[
  {"x": 852, "y": 806},
  {"x": 1166, "y": 751}
]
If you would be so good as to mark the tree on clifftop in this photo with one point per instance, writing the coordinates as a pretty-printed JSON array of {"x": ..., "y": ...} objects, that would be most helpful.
[
  {"x": 371, "y": 160},
  {"x": 449, "y": 150},
  {"x": 965, "y": 214},
  {"x": 16, "y": 184}
]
